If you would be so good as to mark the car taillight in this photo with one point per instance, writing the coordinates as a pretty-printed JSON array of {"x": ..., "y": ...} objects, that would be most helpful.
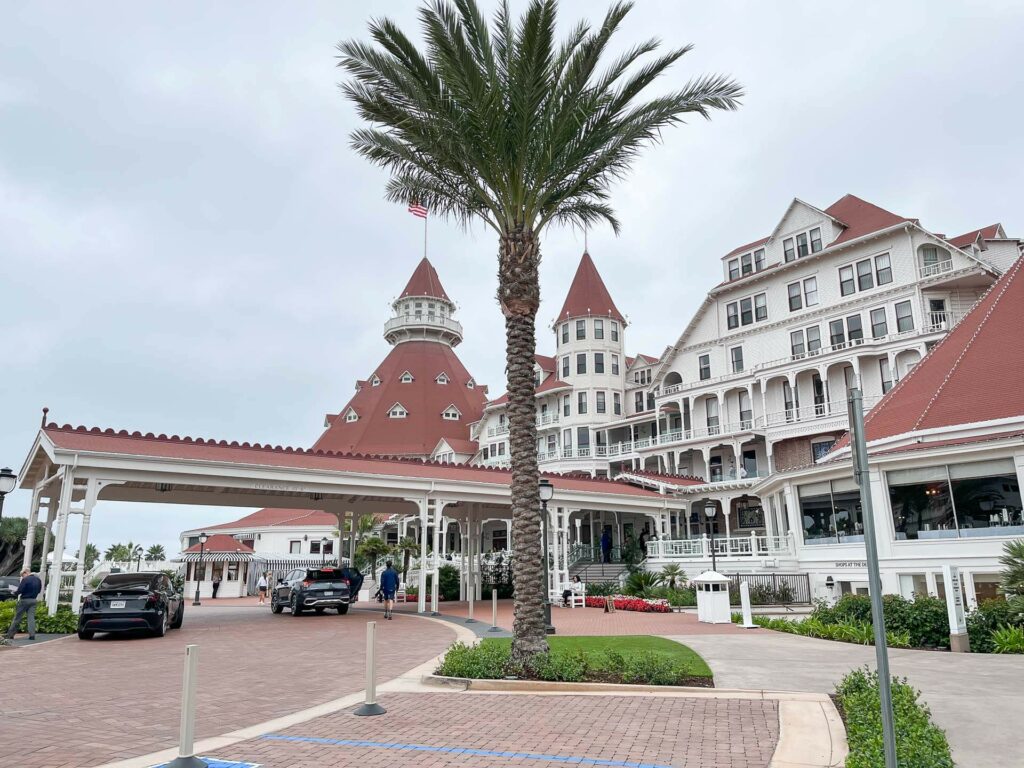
[
  {"x": 153, "y": 600},
  {"x": 93, "y": 602},
  {"x": 307, "y": 583}
]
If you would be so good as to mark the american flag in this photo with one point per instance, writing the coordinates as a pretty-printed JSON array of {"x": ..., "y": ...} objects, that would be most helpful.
[{"x": 417, "y": 210}]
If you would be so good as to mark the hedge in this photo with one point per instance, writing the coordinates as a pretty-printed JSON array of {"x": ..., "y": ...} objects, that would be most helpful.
[{"x": 61, "y": 623}]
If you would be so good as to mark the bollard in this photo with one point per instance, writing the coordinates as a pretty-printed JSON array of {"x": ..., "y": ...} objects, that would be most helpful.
[
  {"x": 494, "y": 610},
  {"x": 370, "y": 706},
  {"x": 186, "y": 735},
  {"x": 472, "y": 595},
  {"x": 748, "y": 620}
]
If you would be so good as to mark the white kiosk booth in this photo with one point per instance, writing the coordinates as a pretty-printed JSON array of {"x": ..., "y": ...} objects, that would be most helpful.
[{"x": 713, "y": 598}]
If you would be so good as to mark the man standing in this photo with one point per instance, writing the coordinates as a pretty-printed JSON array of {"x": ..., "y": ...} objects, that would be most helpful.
[
  {"x": 28, "y": 591},
  {"x": 606, "y": 546},
  {"x": 388, "y": 587}
]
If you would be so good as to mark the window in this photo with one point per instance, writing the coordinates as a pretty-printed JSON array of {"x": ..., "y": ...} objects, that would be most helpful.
[
  {"x": 565, "y": 367},
  {"x": 617, "y": 403},
  {"x": 451, "y": 413},
  {"x": 581, "y": 329},
  {"x": 351, "y": 416},
  {"x": 406, "y": 378},
  {"x": 883, "y": 269},
  {"x": 746, "y": 311},
  {"x": 790, "y": 400},
  {"x": 818, "y": 390},
  {"x": 598, "y": 359},
  {"x": 615, "y": 331},
  {"x": 746, "y": 412},
  {"x": 566, "y": 405},
  {"x": 375, "y": 382},
  {"x": 599, "y": 329},
  {"x": 854, "y": 329},
  {"x": 581, "y": 363},
  {"x": 704, "y": 365},
  {"x": 567, "y": 442},
  {"x": 886, "y": 371},
  {"x": 820, "y": 448},
  {"x": 846, "y": 282},
  {"x": 879, "y": 326},
  {"x": 736, "y": 356},
  {"x": 715, "y": 471},
  {"x": 761, "y": 307},
  {"x": 759, "y": 259},
  {"x": 836, "y": 333},
  {"x": 442, "y": 378},
  {"x": 797, "y": 344},
  {"x": 815, "y": 239},
  {"x": 615, "y": 365},
  {"x": 295, "y": 547},
  {"x": 650, "y": 401},
  {"x": 746, "y": 264},
  {"x": 732, "y": 315},
  {"x": 314, "y": 547},
  {"x": 581, "y": 403},
  {"x": 638, "y": 402},
  {"x": 787, "y": 247},
  {"x": 397, "y": 411},
  {"x": 831, "y": 512},
  {"x": 470, "y": 384},
  {"x": 565, "y": 333},
  {"x": 904, "y": 317},
  {"x": 811, "y": 292},
  {"x": 583, "y": 438},
  {"x": 734, "y": 269},
  {"x": 601, "y": 408},
  {"x": 711, "y": 408},
  {"x": 929, "y": 255},
  {"x": 865, "y": 278},
  {"x": 813, "y": 340},
  {"x": 801, "y": 245},
  {"x": 795, "y": 298}
]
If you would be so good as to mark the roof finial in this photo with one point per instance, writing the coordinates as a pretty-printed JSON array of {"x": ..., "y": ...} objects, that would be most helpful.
[
  {"x": 586, "y": 247},
  {"x": 46, "y": 410}
]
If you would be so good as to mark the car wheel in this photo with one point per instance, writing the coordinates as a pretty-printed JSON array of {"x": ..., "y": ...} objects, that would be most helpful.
[
  {"x": 275, "y": 605},
  {"x": 179, "y": 617},
  {"x": 161, "y": 628},
  {"x": 342, "y": 609},
  {"x": 85, "y": 634},
  {"x": 296, "y": 610}
]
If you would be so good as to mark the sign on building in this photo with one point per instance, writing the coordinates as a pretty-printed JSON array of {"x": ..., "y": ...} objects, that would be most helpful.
[{"x": 958, "y": 639}]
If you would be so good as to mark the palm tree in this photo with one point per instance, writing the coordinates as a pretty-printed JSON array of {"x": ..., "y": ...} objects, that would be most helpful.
[
  {"x": 118, "y": 553},
  {"x": 671, "y": 573},
  {"x": 510, "y": 127},
  {"x": 135, "y": 552},
  {"x": 406, "y": 547},
  {"x": 155, "y": 553},
  {"x": 372, "y": 548},
  {"x": 92, "y": 554},
  {"x": 1013, "y": 562}
]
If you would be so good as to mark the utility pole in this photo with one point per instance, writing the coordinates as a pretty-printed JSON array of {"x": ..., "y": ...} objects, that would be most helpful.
[{"x": 859, "y": 453}]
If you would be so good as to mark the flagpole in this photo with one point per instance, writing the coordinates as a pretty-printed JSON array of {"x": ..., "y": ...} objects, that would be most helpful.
[{"x": 424, "y": 237}]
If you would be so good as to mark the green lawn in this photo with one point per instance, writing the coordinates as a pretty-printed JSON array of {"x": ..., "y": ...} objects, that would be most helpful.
[{"x": 684, "y": 657}]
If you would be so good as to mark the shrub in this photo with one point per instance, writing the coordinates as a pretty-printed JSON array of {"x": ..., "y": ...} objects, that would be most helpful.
[
  {"x": 642, "y": 583},
  {"x": 924, "y": 619},
  {"x": 486, "y": 661},
  {"x": 602, "y": 588},
  {"x": 565, "y": 667},
  {"x": 919, "y": 742},
  {"x": 61, "y": 623},
  {"x": 681, "y": 598},
  {"x": 1013, "y": 562},
  {"x": 766, "y": 594},
  {"x": 1008, "y": 640},
  {"x": 989, "y": 616}
]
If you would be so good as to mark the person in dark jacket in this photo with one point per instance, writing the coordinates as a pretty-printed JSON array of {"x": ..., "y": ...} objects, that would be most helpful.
[
  {"x": 389, "y": 581},
  {"x": 27, "y": 594},
  {"x": 606, "y": 546}
]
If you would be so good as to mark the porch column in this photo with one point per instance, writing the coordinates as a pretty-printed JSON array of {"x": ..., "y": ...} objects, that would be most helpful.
[
  {"x": 463, "y": 593},
  {"x": 351, "y": 538},
  {"x": 764, "y": 401},
  {"x": 51, "y": 515},
  {"x": 726, "y": 510},
  {"x": 63, "y": 511},
  {"x": 92, "y": 490},
  {"x": 579, "y": 536},
  {"x": 30, "y": 534},
  {"x": 508, "y": 536},
  {"x": 439, "y": 506}
]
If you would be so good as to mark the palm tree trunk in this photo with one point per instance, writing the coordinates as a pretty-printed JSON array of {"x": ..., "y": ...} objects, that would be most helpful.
[{"x": 519, "y": 296}]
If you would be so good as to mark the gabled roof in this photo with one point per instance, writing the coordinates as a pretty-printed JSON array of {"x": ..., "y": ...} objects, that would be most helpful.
[
  {"x": 747, "y": 247},
  {"x": 268, "y": 518},
  {"x": 550, "y": 384},
  {"x": 860, "y": 218},
  {"x": 458, "y": 446},
  {"x": 221, "y": 542},
  {"x": 972, "y": 375},
  {"x": 588, "y": 295},
  {"x": 546, "y": 363},
  {"x": 424, "y": 399},
  {"x": 425, "y": 282},
  {"x": 991, "y": 232}
]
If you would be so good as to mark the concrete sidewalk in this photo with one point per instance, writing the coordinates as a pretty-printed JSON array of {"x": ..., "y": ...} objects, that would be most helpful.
[{"x": 975, "y": 697}]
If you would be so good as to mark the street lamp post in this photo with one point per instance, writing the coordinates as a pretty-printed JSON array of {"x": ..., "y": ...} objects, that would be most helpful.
[
  {"x": 7, "y": 482},
  {"x": 323, "y": 551},
  {"x": 710, "y": 510},
  {"x": 547, "y": 491},
  {"x": 199, "y": 566}
]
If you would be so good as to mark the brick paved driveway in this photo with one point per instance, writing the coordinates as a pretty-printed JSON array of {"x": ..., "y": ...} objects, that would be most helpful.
[
  {"x": 74, "y": 703},
  {"x": 588, "y": 730}
]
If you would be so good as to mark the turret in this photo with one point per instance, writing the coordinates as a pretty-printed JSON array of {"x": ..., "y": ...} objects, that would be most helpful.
[{"x": 423, "y": 311}]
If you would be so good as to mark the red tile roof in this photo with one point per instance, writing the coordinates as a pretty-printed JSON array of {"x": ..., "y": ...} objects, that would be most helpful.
[
  {"x": 546, "y": 363},
  {"x": 860, "y": 217},
  {"x": 268, "y": 518},
  {"x": 425, "y": 400},
  {"x": 550, "y": 384},
  {"x": 462, "y": 446},
  {"x": 991, "y": 232},
  {"x": 665, "y": 477},
  {"x": 588, "y": 295},
  {"x": 96, "y": 440},
  {"x": 425, "y": 282},
  {"x": 221, "y": 542},
  {"x": 972, "y": 375},
  {"x": 747, "y": 247}
]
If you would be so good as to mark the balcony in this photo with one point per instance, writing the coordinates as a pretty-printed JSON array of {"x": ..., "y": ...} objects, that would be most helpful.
[
  {"x": 685, "y": 386},
  {"x": 815, "y": 412},
  {"x": 547, "y": 419},
  {"x": 936, "y": 268},
  {"x": 676, "y": 436},
  {"x": 728, "y": 547},
  {"x": 497, "y": 431},
  {"x": 409, "y": 326}
]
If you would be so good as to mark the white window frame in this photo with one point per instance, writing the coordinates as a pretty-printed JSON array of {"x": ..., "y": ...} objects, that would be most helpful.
[
  {"x": 350, "y": 416},
  {"x": 406, "y": 378},
  {"x": 451, "y": 413},
  {"x": 442, "y": 378},
  {"x": 397, "y": 411}
]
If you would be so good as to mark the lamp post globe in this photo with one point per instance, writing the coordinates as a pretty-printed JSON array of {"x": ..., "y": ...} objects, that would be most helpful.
[
  {"x": 323, "y": 551},
  {"x": 203, "y": 537},
  {"x": 710, "y": 511},
  {"x": 547, "y": 492},
  {"x": 8, "y": 480}
]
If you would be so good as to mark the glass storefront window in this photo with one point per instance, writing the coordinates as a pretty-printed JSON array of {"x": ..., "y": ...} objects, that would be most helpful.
[
  {"x": 986, "y": 586},
  {"x": 849, "y": 518},
  {"x": 816, "y": 512},
  {"x": 831, "y": 512}
]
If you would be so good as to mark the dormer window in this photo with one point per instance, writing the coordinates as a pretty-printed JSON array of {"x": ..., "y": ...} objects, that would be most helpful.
[
  {"x": 397, "y": 411},
  {"x": 406, "y": 378},
  {"x": 470, "y": 384},
  {"x": 350, "y": 416},
  {"x": 734, "y": 269},
  {"x": 442, "y": 378},
  {"x": 799, "y": 246},
  {"x": 451, "y": 413},
  {"x": 375, "y": 382}
]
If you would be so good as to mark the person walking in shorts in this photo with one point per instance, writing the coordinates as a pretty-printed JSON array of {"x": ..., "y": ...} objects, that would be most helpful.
[
  {"x": 27, "y": 594},
  {"x": 261, "y": 587},
  {"x": 389, "y": 581}
]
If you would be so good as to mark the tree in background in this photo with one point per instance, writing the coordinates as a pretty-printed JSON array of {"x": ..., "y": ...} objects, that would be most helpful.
[
  {"x": 92, "y": 554},
  {"x": 407, "y": 547},
  {"x": 1013, "y": 563},
  {"x": 371, "y": 549},
  {"x": 118, "y": 553},
  {"x": 155, "y": 553},
  {"x": 513, "y": 128},
  {"x": 12, "y": 544}
]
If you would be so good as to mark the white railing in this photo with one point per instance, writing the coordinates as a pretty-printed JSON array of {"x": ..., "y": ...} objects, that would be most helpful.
[
  {"x": 680, "y": 436},
  {"x": 754, "y": 545},
  {"x": 814, "y": 412},
  {"x": 671, "y": 389},
  {"x": 938, "y": 268},
  {"x": 546, "y": 419},
  {"x": 407, "y": 321},
  {"x": 500, "y": 429}
]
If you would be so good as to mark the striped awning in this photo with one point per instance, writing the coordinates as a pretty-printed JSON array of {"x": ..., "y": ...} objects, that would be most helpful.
[{"x": 215, "y": 557}]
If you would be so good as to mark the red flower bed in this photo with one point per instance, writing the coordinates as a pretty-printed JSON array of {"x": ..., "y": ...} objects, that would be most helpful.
[{"x": 626, "y": 603}]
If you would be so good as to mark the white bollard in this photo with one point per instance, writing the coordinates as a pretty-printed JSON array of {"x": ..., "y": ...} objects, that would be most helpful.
[
  {"x": 494, "y": 610},
  {"x": 370, "y": 705},
  {"x": 186, "y": 735},
  {"x": 748, "y": 620},
  {"x": 472, "y": 596}
]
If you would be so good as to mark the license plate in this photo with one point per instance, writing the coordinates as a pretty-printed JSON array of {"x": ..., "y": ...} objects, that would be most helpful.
[
  {"x": 117, "y": 603},
  {"x": 329, "y": 594}
]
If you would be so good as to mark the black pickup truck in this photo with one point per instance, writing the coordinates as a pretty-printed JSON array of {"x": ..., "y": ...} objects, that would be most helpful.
[{"x": 316, "y": 589}]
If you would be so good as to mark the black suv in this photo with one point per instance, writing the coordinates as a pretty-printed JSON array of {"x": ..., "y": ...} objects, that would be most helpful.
[
  {"x": 127, "y": 601},
  {"x": 317, "y": 589}
]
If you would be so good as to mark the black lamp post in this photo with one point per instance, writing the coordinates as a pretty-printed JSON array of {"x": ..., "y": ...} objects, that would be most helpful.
[
  {"x": 7, "y": 482},
  {"x": 547, "y": 492},
  {"x": 710, "y": 510},
  {"x": 323, "y": 551},
  {"x": 199, "y": 566}
]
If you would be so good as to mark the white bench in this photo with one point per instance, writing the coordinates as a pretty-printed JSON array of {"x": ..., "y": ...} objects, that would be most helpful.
[{"x": 577, "y": 597}]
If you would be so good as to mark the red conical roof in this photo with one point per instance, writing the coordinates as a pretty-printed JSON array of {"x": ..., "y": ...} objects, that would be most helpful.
[
  {"x": 588, "y": 294},
  {"x": 425, "y": 282},
  {"x": 417, "y": 434},
  {"x": 971, "y": 376}
]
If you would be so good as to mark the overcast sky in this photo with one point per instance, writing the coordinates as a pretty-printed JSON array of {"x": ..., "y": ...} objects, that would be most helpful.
[{"x": 187, "y": 244}]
